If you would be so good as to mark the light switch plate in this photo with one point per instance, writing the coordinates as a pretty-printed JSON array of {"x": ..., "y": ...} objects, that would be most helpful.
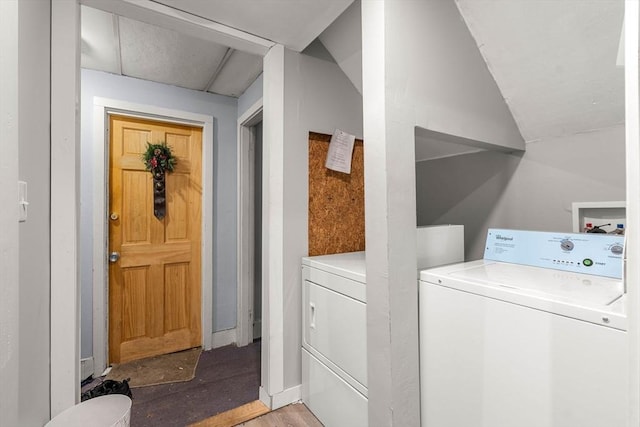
[{"x": 22, "y": 201}]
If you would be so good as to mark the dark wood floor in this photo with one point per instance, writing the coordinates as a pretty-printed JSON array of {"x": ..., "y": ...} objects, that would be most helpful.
[{"x": 226, "y": 378}]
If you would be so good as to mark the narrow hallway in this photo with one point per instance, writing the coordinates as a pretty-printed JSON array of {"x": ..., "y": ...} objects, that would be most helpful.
[{"x": 226, "y": 377}]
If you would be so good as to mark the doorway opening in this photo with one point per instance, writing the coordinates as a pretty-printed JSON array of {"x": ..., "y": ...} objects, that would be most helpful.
[
  {"x": 249, "y": 314},
  {"x": 103, "y": 109},
  {"x": 257, "y": 233}
]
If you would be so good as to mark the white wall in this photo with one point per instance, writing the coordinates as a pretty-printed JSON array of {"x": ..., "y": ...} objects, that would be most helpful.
[
  {"x": 438, "y": 78},
  {"x": 250, "y": 96},
  {"x": 422, "y": 68},
  {"x": 224, "y": 111},
  {"x": 343, "y": 39},
  {"x": 65, "y": 205},
  {"x": 9, "y": 244},
  {"x": 318, "y": 98},
  {"x": 34, "y": 165},
  {"x": 24, "y": 247},
  {"x": 532, "y": 191}
]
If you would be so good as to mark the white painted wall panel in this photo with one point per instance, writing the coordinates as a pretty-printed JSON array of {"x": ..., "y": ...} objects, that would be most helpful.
[
  {"x": 272, "y": 372},
  {"x": 34, "y": 165},
  {"x": 318, "y": 98},
  {"x": 9, "y": 244},
  {"x": 65, "y": 205},
  {"x": 374, "y": 95}
]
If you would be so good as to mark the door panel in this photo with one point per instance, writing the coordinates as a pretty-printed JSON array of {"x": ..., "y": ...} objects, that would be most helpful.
[
  {"x": 154, "y": 288},
  {"x": 176, "y": 291}
]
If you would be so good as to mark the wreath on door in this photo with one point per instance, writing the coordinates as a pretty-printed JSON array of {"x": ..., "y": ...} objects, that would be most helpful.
[{"x": 158, "y": 159}]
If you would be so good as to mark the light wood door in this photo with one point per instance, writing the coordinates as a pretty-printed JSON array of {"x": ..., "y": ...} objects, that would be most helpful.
[{"x": 155, "y": 285}]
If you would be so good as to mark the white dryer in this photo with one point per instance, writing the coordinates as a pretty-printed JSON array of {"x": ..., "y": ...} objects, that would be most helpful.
[
  {"x": 533, "y": 335},
  {"x": 334, "y": 338},
  {"x": 334, "y": 325}
]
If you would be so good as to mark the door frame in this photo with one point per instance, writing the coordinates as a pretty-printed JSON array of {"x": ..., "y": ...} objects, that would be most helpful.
[
  {"x": 102, "y": 109},
  {"x": 65, "y": 137},
  {"x": 245, "y": 223}
]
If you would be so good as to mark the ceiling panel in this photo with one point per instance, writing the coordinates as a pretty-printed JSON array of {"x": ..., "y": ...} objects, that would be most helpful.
[
  {"x": 553, "y": 60},
  {"x": 137, "y": 49},
  {"x": 153, "y": 53},
  {"x": 294, "y": 24},
  {"x": 99, "y": 44},
  {"x": 239, "y": 72}
]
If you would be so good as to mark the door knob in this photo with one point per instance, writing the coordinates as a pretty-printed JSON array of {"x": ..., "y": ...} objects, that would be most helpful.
[
  {"x": 113, "y": 216},
  {"x": 114, "y": 256}
]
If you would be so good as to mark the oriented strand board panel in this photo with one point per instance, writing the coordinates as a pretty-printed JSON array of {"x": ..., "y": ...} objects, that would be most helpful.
[{"x": 336, "y": 201}]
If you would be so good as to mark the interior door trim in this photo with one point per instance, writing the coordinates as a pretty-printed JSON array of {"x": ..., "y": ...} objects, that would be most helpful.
[
  {"x": 103, "y": 107},
  {"x": 245, "y": 221}
]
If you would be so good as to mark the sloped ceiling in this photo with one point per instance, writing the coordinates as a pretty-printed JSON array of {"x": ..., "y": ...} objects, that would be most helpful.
[
  {"x": 120, "y": 45},
  {"x": 553, "y": 60},
  {"x": 293, "y": 23}
]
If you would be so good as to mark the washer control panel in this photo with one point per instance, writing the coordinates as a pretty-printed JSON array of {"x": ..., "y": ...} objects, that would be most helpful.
[{"x": 590, "y": 253}]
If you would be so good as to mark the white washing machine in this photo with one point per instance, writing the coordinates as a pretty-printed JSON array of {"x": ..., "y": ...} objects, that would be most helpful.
[{"x": 533, "y": 335}]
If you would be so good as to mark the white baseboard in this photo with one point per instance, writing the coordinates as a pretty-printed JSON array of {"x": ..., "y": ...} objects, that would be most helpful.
[
  {"x": 222, "y": 338},
  {"x": 86, "y": 368},
  {"x": 264, "y": 397},
  {"x": 284, "y": 398}
]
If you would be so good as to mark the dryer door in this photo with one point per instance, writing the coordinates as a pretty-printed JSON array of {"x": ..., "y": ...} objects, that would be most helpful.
[{"x": 335, "y": 326}]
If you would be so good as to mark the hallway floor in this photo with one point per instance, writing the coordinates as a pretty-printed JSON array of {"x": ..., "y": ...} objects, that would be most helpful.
[{"x": 226, "y": 377}]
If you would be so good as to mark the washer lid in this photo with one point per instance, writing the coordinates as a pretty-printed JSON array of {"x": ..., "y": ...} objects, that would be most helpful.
[
  {"x": 562, "y": 286},
  {"x": 586, "y": 297}
]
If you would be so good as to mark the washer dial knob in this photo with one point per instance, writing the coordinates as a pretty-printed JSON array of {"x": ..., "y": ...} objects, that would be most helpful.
[{"x": 566, "y": 245}]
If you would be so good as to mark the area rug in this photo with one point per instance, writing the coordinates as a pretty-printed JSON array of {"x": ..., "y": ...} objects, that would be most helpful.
[{"x": 164, "y": 369}]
